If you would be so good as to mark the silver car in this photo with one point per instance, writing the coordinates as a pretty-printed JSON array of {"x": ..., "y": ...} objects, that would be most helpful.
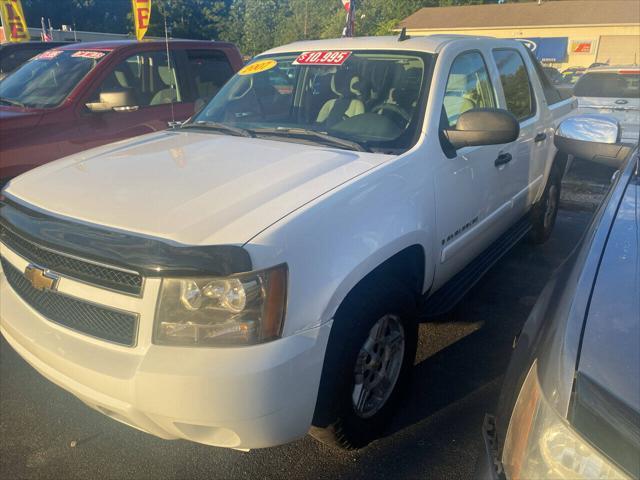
[
  {"x": 570, "y": 402},
  {"x": 612, "y": 91}
]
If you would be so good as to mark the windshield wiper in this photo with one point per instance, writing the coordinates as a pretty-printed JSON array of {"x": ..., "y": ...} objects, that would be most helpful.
[
  {"x": 12, "y": 102},
  {"x": 223, "y": 127},
  {"x": 314, "y": 134}
]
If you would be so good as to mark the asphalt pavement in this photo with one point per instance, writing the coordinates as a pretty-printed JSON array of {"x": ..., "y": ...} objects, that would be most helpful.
[{"x": 45, "y": 432}]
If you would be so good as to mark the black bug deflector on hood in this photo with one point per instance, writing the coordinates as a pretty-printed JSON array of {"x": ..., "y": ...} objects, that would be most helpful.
[{"x": 149, "y": 256}]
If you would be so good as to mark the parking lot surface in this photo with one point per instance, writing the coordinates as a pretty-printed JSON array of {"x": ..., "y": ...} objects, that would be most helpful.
[{"x": 45, "y": 432}]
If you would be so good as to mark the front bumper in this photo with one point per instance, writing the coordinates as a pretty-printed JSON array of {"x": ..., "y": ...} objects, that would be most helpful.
[{"x": 248, "y": 397}]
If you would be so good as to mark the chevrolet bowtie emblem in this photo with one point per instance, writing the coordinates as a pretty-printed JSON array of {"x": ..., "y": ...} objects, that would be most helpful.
[{"x": 40, "y": 278}]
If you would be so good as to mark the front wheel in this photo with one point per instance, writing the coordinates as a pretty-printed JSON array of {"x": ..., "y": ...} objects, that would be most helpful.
[
  {"x": 545, "y": 211},
  {"x": 367, "y": 366}
]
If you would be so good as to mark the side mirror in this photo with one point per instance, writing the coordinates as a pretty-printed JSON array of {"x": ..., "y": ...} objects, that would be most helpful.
[
  {"x": 592, "y": 137},
  {"x": 119, "y": 101},
  {"x": 491, "y": 126}
]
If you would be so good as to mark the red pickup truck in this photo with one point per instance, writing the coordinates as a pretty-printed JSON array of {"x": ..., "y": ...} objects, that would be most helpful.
[{"x": 84, "y": 95}]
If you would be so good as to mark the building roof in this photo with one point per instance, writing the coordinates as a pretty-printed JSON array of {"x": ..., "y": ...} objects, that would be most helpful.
[{"x": 567, "y": 12}]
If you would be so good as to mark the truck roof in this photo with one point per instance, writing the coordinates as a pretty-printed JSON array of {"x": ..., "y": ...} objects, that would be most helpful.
[
  {"x": 615, "y": 68},
  {"x": 117, "y": 44},
  {"x": 426, "y": 43}
]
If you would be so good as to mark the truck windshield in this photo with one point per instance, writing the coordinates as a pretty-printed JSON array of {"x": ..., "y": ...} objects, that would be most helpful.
[
  {"x": 362, "y": 100},
  {"x": 609, "y": 84},
  {"x": 47, "y": 80}
]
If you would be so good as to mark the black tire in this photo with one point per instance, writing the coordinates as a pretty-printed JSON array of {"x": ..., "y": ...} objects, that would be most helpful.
[
  {"x": 336, "y": 421},
  {"x": 545, "y": 211}
]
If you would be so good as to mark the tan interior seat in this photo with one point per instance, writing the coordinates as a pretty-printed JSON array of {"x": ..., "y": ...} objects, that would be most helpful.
[
  {"x": 347, "y": 104},
  {"x": 168, "y": 94}
]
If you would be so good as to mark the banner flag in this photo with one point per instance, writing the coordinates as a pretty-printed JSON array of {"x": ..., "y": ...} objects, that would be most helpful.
[
  {"x": 141, "y": 16},
  {"x": 350, "y": 27},
  {"x": 44, "y": 36},
  {"x": 13, "y": 21}
]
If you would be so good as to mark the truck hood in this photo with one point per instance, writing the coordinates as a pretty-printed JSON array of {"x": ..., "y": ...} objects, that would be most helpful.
[{"x": 191, "y": 187}]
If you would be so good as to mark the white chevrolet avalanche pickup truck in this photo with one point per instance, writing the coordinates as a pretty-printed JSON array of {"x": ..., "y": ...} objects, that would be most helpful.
[{"x": 254, "y": 274}]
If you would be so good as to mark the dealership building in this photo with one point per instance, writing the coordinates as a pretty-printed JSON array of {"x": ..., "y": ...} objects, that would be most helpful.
[{"x": 562, "y": 33}]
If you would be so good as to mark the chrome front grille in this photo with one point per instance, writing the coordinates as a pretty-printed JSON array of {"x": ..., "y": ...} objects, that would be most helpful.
[
  {"x": 87, "y": 318},
  {"x": 100, "y": 275}
]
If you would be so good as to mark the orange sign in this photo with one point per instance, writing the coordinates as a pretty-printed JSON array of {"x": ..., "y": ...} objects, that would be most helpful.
[
  {"x": 141, "y": 16},
  {"x": 13, "y": 21},
  {"x": 581, "y": 46}
]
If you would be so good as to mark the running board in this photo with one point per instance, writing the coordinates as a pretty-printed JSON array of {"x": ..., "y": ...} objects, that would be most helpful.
[{"x": 447, "y": 296}]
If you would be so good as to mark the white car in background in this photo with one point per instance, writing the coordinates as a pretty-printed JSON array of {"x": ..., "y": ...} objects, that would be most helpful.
[{"x": 612, "y": 90}]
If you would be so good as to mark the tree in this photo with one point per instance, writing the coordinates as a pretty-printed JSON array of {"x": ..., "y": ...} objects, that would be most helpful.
[
  {"x": 100, "y": 15},
  {"x": 198, "y": 19},
  {"x": 254, "y": 25},
  {"x": 260, "y": 24},
  {"x": 308, "y": 19}
]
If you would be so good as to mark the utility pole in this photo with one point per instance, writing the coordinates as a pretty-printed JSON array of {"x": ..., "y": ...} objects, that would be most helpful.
[{"x": 306, "y": 17}]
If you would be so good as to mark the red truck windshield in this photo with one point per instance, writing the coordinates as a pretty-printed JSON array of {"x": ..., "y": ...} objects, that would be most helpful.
[{"x": 46, "y": 80}]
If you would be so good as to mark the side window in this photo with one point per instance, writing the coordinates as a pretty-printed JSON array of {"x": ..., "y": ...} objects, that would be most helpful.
[
  {"x": 551, "y": 93},
  {"x": 210, "y": 70},
  {"x": 515, "y": 83},
  {"x": 468, "y": 87},
  {"x": 142, "y": 80}
]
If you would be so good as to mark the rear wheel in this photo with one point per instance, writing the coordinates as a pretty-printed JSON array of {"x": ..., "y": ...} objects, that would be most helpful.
[
  {"x": 545, "y": 211},
  {"x": 367, "y": 365}
]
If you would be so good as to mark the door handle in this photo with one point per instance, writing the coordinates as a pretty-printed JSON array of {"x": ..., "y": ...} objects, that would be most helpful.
[
  {"x": 503, "y": 159},
  {"x": 540, "y": 137}
]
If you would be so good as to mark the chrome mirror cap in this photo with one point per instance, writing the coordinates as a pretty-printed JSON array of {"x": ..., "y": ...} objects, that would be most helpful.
[
  {"x": 592, "y": 137},
  {"x": 591, "y": 128}
]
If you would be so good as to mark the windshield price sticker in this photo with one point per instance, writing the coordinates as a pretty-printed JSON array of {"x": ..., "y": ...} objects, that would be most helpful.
[
  {"x": 257, "y": 67},
  {"x": 88, "y": 54},
  {"x": 48, "y": 55},
  {"x": 322, "y": 58}
]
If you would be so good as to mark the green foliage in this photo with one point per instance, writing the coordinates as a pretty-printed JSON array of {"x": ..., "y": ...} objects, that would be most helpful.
[{"x": 254, "y": 25}]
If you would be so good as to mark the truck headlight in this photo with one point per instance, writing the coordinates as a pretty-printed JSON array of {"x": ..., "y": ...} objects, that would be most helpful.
[
  {"x": 243, "y": 309},
  {"x": 541, "y": 444}
]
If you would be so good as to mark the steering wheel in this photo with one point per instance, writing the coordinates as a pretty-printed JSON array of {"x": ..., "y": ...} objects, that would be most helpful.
[{"x": 392, "y": 107}]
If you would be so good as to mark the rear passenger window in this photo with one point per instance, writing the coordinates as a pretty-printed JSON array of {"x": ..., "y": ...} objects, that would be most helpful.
[
  {"x": 210, "y": 70},
  {"x": 468, "y": 87},
  {"x": 146, "y": 78},
  {"x": 515, "y": 83},
  {"x": 551, "y": 93}
]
